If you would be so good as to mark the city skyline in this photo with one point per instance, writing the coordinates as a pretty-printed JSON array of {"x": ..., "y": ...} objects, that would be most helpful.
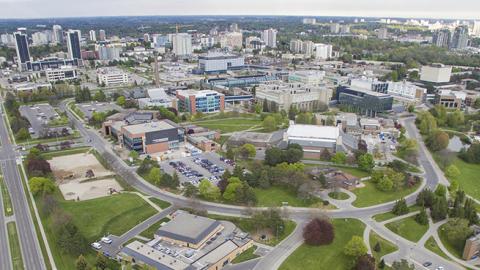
[{"x": 440, "y": 9}]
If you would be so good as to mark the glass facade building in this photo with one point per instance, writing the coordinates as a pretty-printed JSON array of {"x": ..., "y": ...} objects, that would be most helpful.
[{"x": 363, "y": 101}]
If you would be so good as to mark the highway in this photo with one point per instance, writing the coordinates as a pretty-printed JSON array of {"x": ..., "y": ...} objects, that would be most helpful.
[
  {"x": 273, "y": 259},
  {"x": 30, "y": 247}
]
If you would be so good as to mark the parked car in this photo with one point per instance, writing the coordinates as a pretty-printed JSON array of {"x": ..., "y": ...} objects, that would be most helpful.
[
  {"x": 106, "y": 240},
  {"x": 96, "y": 245}
]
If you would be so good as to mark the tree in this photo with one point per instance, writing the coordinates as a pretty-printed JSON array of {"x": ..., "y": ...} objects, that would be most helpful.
[
  {"x": 230, "y": 191},
  {"x": 439, "y": 209},
  {"x": 325, "y": 155},
  {"x": 402, "y": 265},
  {"x": 269, "y": 123},
  {"x": 365, "y": 262},
  {"x": 457, "y": 230},
  {"x": 400, "y": 208},
  {"x": 293, "y": 154},
  {"x": 411, "y": 108},
  {"x": 441, "y": 191},
  {"x": 455, "y": 118},
  {"x": 422, "y": 217},
  {"x": 437, "y": 140},
  {"x": 366, "y": 162},
  {"x": 190, "y": 190},
  {"x": 452, "y": 173},
  {"x": 209, "y": 191},
  {"x": 134, "y": 154},
  {"x": 155, "y": 176},
  {"x": 476, "y": 104},
  {"x": 81, "y": 263},
  {"x": 41, "y": 185},
  {"x": 101, "y": 261},
  {"x": 355, "y": 247},
  {"x": 339, "y": 158},
  {"x": 319, "y": 232},
  {"x": 247, "y": 151},
  {"x": 121, "y": 101},
  {"x": 426, "y": 122},
  {"x": 22, "y": 134},
  {"x": 472, "y": 155},
  {"x": 377, "y": 247},
  {"x": 100, "y": 96},
  {"x": 453, "y": 186},
  {"x": 273, "y": 156}
]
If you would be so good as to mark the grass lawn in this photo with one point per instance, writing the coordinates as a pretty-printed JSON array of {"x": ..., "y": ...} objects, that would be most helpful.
[
  {"x": 7, "y": 203},
  {"x": 66, "y": 152},
  {"x": 246, "y": 255},
  {"x": 160, "y": 203},
  {"x": 338, "y": 195},
  {"x": 274, "y": 196},
  {"x": 94, "y": 218},
  {"x": 247, "y": 225},
  {"x": 468, "y": 179},
  {"x": 329, "y": 257},
  {"x": 228, "y": 125},
  {"x": 432, "y": 245},
  {"x": 456, "y": 249},
  {"x": 15, "y": 251},
  {"x": 148, "y": 233},
  {"x": 390, "y": 215},
  {"x": 408, "y": 228},
  {"x": 75, "y": 135},
  {"x": 386, "y": 247},
  {"x": 370, "y": 195},
  {"x": 350, "y": 170}
]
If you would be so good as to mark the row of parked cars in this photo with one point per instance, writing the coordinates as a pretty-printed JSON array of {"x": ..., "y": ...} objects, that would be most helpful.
[
  {"x": 228, "y": 161},
  {"x": 185, "y": 170},
  {"x": 104, "y": 240},
  {"x": 209, "y": 166}
]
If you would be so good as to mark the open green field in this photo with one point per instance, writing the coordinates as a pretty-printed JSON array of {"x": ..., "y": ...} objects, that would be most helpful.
[
  {"x": 370, "y": 195},
  {"x": 148, "y": 233},
  {"x": 432, "y": 245},
  {"x": 408, "y": 228},
  {"x": 390, "y": 215},
  {"x": 66, "y": 152},
  {"x": 274, "y": 196},
  {"x": 468, "y": 179},
  {"x": 7, "y": 203},
  {"x": 15, "y": 252},
  {"x": 95, "y": 218},
  {"x": 386, "y": 247},
  {"x": 456, "y": 249},
  {"x": 228, "y": 125},
  {"x": 247, "y": 225},
  {"x": 330, "y": 257},
  {"x": 75, "y": 135},
  {"x": 246, "y": 255}
]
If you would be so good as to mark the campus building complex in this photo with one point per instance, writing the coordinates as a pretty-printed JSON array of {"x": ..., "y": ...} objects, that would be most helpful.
[
  {"x": 152, "y": 137},
  {"x": 363, "y": 101},
  {"x": 205, "y": 101}
]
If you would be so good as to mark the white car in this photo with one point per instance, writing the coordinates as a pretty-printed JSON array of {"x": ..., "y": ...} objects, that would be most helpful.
[
  {"x": 440, "y": 268},
  {"x": 96, "y": 245},
  {"x": 106, "y": 240}
]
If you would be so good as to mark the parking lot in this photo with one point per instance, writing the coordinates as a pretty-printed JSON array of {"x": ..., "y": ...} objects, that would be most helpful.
[
  {"x": 195, "y": 168},
  {"x": 38, "y": 115},
  {"x": 89, "y": 108}
]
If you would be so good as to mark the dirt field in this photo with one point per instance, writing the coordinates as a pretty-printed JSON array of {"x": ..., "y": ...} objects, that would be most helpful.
[
  {"x": 70, "y": 174},
  {"x": 74, "y": 167}
]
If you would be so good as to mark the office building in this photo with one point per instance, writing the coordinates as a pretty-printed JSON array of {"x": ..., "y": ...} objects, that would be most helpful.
[
  {"x": 450, "y": 99},
  {"x": 308, "y": 48},
  {"x": 102, "y": 36},
  {"x": 460, "y": 38},
  {"x": 232, "y": 40},
  {"x": 382, "y": 33},
  {"x": 372, "y": 84},
  {"x": 472, "y": 247},
  {"x": 157, "y": 98},
  {"x": 207, "y": 42},
  {"x": 441, "y": 38},
  {"x": 476, "y": 29},
  {"x": 334, "y": 28},
  {"x": 57, "y": 34},
  {"x": 182, "y": 44},
  {"x": 345, "y": 29},
  {"x": 41, "y": 38},
  {"x": 152, "y": 137},
  {"x": 323, "y": 51},
  {"x": 23, "y": 53},
  {"x": 111, "y": 77},
  {"x": 51, "y": 62},
  {"x": 92, "y": 35},
  {"x": 108, "y": 52},
  {"x": 269, "y": 36},
  {"x": 220, "y": 63},
  {"x": 310, "y": 77},
  {"x": 7, "y": 39},
  {"x": 159, "y": 40},
  {"x": 205, "y": 101},
  {"x": 73, "y": 44},
  {"x": 314, "y": 139},
  {"x": 309, "y": 21},
  {"x": 281, "y": 96},
  {"x": 234, "y": 27},
  {"x": 436, "y": 73},
  {"x": 363, "y": 101},
  {"x": 61, "y": 74},
  {"x": 296, "y": 46},
  {"x": 254, "y": 43},
  {"x": 407, "y": 92}
]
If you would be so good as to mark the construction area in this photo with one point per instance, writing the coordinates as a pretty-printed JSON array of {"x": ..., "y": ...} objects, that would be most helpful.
[{"x": 83, "y": 177}]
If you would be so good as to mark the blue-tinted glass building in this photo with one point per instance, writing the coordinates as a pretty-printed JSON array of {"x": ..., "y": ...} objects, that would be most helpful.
[{"x": 363, "y": 101}]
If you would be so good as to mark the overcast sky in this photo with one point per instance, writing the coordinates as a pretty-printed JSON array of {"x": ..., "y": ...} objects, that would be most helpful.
[{"x": 461, "y": 9}]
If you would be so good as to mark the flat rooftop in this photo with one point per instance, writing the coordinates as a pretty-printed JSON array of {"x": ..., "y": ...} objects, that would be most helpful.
[
  {"x": 367, "y": 91},
  {"x": 313, "y": 132},
  {"x": 154, "y": 257},
  {"x": 187, "y": 93},
  {"x": 148, "y": 127},
  {"x": 188, "y": 228}
]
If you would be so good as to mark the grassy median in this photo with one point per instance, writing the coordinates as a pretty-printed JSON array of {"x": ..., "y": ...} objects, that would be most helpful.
[{"x": 15, "y": 252}]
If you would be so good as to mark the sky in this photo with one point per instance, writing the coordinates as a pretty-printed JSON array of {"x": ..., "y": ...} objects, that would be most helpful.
[{"x": 448, "y": 9}]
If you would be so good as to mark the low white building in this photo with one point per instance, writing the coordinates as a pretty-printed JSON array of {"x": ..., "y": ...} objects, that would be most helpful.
[
  {"x": 312, "y": 77},
  {"x": 111, "y": 77},
  {"x": 61, "y": 74},
  {"x": 407, "y": 92},
  {"x": 436, "y": 73},
  {"x": 314, "y": 139},
  {"x": 31, "y": 87},
  {"x": 157, "y": 98}
]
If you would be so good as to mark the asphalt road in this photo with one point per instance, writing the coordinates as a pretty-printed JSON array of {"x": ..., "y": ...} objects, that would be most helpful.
[
  {"x": 30, "y": 247},
  {"x": 273, "y": 259},
  {"x": 5, "y": 259}
]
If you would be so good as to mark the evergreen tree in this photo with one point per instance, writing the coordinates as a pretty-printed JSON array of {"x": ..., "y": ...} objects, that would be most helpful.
[{"x": 422, "y": 217}]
